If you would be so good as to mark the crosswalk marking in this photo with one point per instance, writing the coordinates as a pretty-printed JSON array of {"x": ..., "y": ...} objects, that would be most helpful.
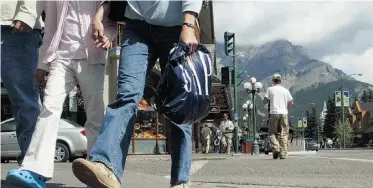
[{"x": 196, "y": 165}]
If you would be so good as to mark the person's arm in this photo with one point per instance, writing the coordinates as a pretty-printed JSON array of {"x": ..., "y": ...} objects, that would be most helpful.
[
  {"x": 266, "y": 97},
  {"x": 28, "y": 13},
  {"x": 110, "y": 27},
  {"x": 191, "y": 9},
  {"x": 290, "y": 100},
  {"x": 103, "y": 30}
]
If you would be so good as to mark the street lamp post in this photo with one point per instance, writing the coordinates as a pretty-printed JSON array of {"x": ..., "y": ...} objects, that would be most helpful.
[
  {"x": 343, "y": 107},
  {"x": 253, "y": 87},
  {"x": 248, "y": 106}
]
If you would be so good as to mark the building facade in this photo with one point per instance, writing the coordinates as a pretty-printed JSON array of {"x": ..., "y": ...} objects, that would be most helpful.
[{"x": 361, "y": 120}]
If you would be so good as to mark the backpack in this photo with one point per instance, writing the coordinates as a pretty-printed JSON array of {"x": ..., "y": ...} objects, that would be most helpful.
[{"x": 183, "y": 93}]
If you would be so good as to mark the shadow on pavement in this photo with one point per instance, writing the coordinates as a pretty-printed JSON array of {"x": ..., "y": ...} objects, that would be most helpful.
[{"x": 4, "y": 184}]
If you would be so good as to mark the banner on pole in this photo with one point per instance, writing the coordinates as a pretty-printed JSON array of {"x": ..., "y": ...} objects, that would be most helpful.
[
  {"x": 299, "y": 122},
  {"x": 338, "y": 98},
  {"x": 304, "y": 122},
  {"x": 346, "y": 98}
]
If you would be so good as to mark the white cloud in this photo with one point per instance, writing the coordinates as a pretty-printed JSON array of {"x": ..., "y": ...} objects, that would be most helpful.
[
  {"x": 354, "y": 63},
  {"x": 328, "y": 30}
]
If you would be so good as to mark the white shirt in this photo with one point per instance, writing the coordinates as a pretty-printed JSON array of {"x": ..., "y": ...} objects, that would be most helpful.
[
  {"x": 71, "y": 45},
  {"x": 226, "y": 124},
  {"x": 279, "y": 99}
]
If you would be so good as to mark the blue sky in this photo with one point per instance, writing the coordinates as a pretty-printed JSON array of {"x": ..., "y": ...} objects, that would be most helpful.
[{"x": 339, "y": 33}]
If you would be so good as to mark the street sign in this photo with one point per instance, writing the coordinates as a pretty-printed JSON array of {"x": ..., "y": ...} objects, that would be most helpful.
[
  {"x": 304, "y": 122},
  {"x": 235, "y": 117},
  {"x": 299, "y": 122},
  {"x": 338, "y": 98},
  {"x": 346, "y": 98}
]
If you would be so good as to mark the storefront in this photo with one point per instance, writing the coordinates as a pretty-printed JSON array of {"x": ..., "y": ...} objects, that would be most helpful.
[{"x": 149, "y": 132}]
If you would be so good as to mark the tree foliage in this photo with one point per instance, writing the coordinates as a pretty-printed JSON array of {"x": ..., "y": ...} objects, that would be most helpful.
[
  {"x": 330, "y": 118},
  {"x": 338, "y": 132},
  {"x": 367, "y": 95},
  {"x": 312, "y": 124}
]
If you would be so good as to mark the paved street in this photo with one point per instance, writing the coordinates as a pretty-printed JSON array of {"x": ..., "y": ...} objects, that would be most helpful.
[{"x": 350, "y": 169}]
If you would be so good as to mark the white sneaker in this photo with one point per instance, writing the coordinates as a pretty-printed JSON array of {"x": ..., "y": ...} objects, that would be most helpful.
[{"x": 183, "y": 185}]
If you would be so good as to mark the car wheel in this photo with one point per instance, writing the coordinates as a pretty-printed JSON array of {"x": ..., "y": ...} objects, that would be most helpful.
[
  {"x": 62, "y": 153},
  {"x": 266, "y": 152}
]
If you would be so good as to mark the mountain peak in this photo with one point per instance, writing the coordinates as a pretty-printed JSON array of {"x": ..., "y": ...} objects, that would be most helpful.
[{"x": 283, "y": 46}]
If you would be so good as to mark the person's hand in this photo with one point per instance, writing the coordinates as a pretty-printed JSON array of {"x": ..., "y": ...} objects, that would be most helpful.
[
  {"x": 40, "y": 77},
  {"x": 188, "y": 37},
  {"x": 20, "y": 26},
  {"x": 97, "y": 29},
  {"x": 103, "y": 42}
]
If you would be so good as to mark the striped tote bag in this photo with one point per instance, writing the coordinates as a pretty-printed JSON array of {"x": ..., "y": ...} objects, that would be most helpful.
[{"x": 183, "y": 93}]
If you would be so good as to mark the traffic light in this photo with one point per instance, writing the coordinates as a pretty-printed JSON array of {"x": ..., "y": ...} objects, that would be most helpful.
[
  {"x": 229, "y": 43},
  {"x": 233, "y": 77},
  {"x": 225, "y": 75}
]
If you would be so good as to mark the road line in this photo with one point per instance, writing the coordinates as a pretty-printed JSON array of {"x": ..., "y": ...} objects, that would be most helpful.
[
  {"x": 335, "y": 158},
  {"x": 196, "y": 165},
  {"x": 352, "y": 159}
]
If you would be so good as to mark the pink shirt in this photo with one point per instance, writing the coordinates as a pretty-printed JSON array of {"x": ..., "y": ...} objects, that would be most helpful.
[
  {"x": 71, "y": 44},
  {"x": 56, "y": 14}
]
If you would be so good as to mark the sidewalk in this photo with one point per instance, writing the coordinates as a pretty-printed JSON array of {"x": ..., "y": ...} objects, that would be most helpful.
[{"x": 210, "y": 156}]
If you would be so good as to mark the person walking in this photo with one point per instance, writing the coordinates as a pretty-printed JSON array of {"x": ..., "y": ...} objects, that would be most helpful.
[
  {"x": 280, "y": 100},
  {"x": 21, "y": 27},
  {"x": 226, "y": 127},
  {"x": 152, "y": 29},
  {"x": 72, "y": 58},
  {"x": 206, "y": 136}
]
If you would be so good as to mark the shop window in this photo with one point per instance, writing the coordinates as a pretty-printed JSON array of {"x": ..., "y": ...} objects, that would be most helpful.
[{"x": 148, "y": 135}]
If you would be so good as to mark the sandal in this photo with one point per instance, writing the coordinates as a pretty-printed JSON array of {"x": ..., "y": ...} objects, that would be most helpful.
[{"x": 25, "y": 178}]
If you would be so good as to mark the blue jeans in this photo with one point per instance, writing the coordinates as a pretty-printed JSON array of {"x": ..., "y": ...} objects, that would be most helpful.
[
  {"x": 19, "y": 57},
  {"x": 142, "y": 45}
]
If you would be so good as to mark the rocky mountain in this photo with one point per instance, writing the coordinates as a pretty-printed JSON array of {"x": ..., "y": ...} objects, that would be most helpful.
[{"x": 309, "y": 80}]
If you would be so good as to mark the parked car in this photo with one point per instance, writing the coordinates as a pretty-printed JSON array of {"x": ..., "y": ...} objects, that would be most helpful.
[
  {"x": 311, "y": 144},
  {"x": 71, "y": 141}
]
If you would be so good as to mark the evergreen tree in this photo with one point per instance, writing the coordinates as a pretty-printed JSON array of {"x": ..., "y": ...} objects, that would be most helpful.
[
  {"x": 330, "y": 118},
  {"x": 338, "y": 132},
  {"x": 370, "y": 95},
  {"x": 364, "y": 97},
  {"x": 312, "y": 124}
]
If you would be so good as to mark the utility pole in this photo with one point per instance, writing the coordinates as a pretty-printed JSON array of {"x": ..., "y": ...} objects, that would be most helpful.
[
  {"x": 229, "y": 41},
  {"x": 302, "y": 115},
  {"x": 343, "y": 117}
]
